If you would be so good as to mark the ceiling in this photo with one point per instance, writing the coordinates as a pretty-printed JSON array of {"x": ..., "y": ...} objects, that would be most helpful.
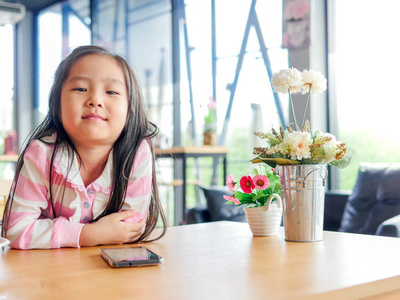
[{"x": 36, "y": 5}]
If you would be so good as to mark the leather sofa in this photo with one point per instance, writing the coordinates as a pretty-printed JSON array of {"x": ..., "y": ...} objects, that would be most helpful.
[{"x": 373, "y": 207}]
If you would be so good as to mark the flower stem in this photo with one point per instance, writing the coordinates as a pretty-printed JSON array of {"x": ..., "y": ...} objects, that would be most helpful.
[
  {"x": 305, "y": 109},
  {"x": 294, "y": 115}
]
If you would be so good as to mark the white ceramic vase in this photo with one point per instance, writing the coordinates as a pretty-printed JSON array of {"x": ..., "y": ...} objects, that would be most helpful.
[{"x": 265, "y": 220}]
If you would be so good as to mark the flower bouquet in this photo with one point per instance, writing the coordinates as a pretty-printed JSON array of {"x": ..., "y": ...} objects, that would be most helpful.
[
  {"x": 302, "y": 156},
  {"x": 301, "y": 146},
  {"x": 257, "y": 189},
  {"x": 254, "y": 188}
]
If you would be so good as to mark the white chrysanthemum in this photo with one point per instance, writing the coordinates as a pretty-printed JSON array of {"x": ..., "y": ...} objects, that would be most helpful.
[
  {"x": 287, "y": 79},
  {"x": 314, "y": 80},
  {"x": 299, "y": 144}
]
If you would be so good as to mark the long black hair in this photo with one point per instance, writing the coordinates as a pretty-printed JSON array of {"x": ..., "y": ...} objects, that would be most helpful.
[{"x": 137, "y": 128}]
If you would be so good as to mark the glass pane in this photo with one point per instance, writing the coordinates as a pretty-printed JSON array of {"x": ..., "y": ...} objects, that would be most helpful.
[
  {"x": 6, "y": 96},
  {"x": 6, "y": 82},
  {"x": 199, "y": 63},
  {"x": 366, "y": 65},
  {"x": 50, "y": 46},
  {"x": 253, "y": 105}
]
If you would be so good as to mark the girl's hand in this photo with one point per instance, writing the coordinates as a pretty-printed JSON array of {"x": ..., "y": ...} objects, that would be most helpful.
[{"x": 112, "y": 229}]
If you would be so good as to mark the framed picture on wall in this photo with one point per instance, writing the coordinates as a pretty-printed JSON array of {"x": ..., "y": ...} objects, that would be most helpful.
[{"x": 296, "y": 24}]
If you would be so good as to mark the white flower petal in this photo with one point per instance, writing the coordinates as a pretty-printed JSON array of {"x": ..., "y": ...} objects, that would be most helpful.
[
  {"x": 314, "y": 80},
  {"x": 299, "y": 144},
  {"x": 287, "y": 79}
]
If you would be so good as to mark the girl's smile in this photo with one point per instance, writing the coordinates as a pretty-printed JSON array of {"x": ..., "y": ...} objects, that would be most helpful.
[{"x": 94, "y": 117}]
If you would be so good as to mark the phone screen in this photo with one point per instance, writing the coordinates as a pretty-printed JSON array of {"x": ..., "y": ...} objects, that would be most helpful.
[{"x": 130, "y": 256}]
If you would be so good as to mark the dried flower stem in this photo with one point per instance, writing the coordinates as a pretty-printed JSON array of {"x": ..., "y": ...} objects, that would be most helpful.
[
  {"x": 282, "y": 132},
  {"x": 294, "y": 115},
  {"x": 305, "y": 109},
  {"x": 275, "y": 133}
]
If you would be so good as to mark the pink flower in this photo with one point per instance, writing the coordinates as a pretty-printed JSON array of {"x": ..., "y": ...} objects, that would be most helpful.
[
  {"x": 261, "y": 182},
  {"x": 232, "y": 199},
  {"x": 212, "y": 104},
  {"x": 230, "y": 182},
  {"x": 247, "y": 184}
]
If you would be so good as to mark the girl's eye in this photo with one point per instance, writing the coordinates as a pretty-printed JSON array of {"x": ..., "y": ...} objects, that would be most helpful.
[
  {"x": 111, "y": 93},
  {"x": 80, "y": 89}
]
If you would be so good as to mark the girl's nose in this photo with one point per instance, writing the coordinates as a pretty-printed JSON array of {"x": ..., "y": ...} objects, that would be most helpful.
[{"x": 95, "y": 101}]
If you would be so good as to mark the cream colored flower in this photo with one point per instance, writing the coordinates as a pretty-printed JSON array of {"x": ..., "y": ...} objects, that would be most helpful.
[
  {"x": 314, "y": 80},
  {"x": 299, "y": 144},
  {"x": 287, "y": 79},
  {"x": 330, "y": 147}
]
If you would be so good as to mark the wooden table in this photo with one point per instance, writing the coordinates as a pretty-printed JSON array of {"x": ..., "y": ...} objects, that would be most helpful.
[
  {"x": 220, "y": 260},
  {"x": 180, "y": 155},
  {"x": 5, "y": 186},
  {"x": 9, "y": 158}
]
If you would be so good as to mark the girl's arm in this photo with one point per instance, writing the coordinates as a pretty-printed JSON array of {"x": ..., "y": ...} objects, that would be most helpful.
[
  {"x": 31, "y": 223},
  {"x": 112, "y": 229},
  {"x": 127, "y": 225}
]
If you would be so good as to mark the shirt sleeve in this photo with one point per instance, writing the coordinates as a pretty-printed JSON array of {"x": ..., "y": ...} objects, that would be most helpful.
[
  {"x": 138, "y": 194},
  {"x": 32, "y": 223}
]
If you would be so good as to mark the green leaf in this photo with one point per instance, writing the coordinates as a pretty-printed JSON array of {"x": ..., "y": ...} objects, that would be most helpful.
[
  {"x": 279, "y": 161},
  {"x": 344, "y": 162}
]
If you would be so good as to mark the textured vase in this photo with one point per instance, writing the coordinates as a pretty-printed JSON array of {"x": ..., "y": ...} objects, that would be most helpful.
[
  {"x": 265, "y": 220},
  {"x": 303, "y": 193}
]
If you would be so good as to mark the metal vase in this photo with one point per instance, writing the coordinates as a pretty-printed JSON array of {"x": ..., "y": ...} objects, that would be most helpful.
[{"x": 303, "y": 190}]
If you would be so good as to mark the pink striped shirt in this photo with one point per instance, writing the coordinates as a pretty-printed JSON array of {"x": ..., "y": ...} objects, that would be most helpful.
[{"x": 32, "y": 224}]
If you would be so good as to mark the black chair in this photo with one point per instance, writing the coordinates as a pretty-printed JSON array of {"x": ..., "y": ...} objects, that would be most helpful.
[
  {"x": 375, "y": 199},
  {"x": 215, "y": 208}
]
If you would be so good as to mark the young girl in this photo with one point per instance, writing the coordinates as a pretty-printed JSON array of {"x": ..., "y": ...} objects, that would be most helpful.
[{"x": 86, "y": 176}]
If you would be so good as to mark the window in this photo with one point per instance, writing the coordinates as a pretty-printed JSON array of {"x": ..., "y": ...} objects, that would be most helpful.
[
  {"x": 6, "y": 92},
  {"x": 251, "y": 97},
  {"x": 363, "y": 80}
]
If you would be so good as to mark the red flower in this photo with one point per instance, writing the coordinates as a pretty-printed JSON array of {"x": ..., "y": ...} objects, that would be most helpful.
[
  {"x": 261, "y": 182},
  {"x": 247, "y": 184}
]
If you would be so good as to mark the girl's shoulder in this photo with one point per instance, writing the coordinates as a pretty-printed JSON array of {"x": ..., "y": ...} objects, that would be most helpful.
[
  {"x": 142, "y": 154},
  {"x": 38, "y": 154},
  {"x": 144, "y": 146},
  {"x": 144, "y": 151},
  {"x": 41, "y": 148}
]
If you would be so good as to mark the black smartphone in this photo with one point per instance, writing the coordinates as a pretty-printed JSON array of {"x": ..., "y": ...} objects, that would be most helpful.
[{"x": 124, "y": 257}]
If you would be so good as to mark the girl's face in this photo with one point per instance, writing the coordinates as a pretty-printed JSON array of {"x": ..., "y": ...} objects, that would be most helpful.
[{"x": 94, "y": 101}]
